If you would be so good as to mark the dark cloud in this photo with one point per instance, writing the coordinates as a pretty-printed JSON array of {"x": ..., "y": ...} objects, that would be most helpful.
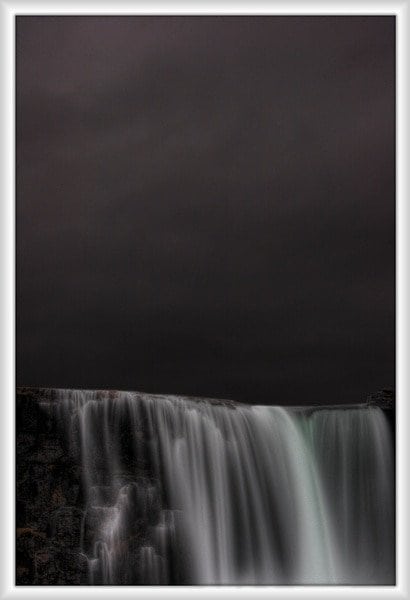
[{"x": 206, "y": 205}]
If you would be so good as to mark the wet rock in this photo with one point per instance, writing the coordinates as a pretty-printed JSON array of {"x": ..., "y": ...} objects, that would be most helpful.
[
  {"x": 25, "y": 443},
  {"x": 384, "y": 399},
  {"x": 103, "y": 495},
  {"x": 94, "y": 518},
  {"x": 25, "y": 574},
  {"x": 45, "y": 565},
  {"x": 26, "y": 486},
  {"x": 216, "y": 401},
  {"x": 28, "y": 542},
  {"x": 55, "y": 565},
  {"x": 49, "y": 495},
  {"x": 72, "y": 568},
  {"x": 66, "y": 526},
  {"x": 50, "y": 450}
]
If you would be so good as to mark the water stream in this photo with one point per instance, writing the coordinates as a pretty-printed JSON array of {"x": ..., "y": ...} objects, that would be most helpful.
[{"x": 186, "y": 491}]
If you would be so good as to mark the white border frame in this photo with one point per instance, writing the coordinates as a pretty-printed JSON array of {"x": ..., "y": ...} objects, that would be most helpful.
[{"x": 8, "y": 11}]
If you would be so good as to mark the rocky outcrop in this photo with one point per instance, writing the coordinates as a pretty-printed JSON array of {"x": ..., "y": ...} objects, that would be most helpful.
[
  {"x": 49, "y": 499},
  {"x": 59, "y": 520},
  {"x": 384, "y": 399}
]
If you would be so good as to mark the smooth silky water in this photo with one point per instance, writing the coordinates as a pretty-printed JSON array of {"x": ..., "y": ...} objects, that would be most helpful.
[{"x": 192, "y": 491}]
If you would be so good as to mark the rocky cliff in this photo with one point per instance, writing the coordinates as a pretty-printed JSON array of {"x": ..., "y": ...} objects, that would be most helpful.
[{"x": 49, "y": 499}]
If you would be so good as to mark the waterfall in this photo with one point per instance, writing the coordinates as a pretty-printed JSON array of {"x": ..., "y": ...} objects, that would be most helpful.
[{"x": 188, "y": 491}]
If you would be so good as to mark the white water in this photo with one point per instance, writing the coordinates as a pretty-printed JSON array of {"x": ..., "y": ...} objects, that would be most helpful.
[{"x": 188, "y": 491}]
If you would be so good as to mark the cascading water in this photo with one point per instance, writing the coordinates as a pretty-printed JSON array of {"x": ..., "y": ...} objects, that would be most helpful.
[{"x": 187, "y": 491}]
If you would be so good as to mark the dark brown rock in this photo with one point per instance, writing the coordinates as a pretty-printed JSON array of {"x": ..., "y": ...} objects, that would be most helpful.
[{"x": 384, "y": 399}]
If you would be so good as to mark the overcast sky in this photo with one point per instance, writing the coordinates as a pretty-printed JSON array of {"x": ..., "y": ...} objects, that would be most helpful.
[{"x": 206, "y": 205}]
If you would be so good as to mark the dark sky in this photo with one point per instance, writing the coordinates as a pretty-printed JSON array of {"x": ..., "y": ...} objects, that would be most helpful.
[{"x": 206, "y": 205}]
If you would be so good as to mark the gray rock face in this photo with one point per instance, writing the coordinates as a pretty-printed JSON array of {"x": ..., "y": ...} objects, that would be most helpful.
[{"x": 384, "y": 399}]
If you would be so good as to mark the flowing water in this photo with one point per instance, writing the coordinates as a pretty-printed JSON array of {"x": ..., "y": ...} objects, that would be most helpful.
[{"x": 187, "y": 491}]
